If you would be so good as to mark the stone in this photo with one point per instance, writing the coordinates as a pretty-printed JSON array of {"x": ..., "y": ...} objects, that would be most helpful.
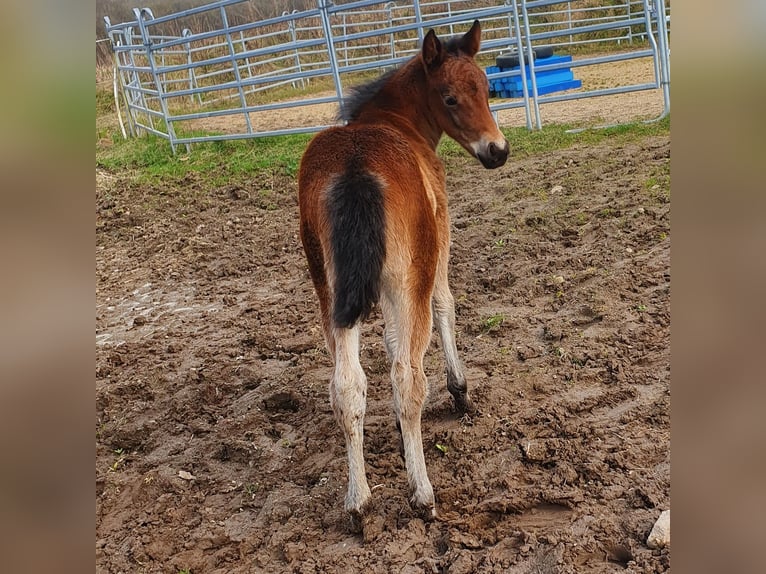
[{"x": 659, "y": 537}]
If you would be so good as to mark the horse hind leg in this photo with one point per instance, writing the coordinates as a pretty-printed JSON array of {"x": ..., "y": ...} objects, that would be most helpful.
[
  {"x": 316, "y": 261},
  {"x": 348, "y": 394},
  {"x": 444, "y": 314},
  {"x": 412, "y": 323}
]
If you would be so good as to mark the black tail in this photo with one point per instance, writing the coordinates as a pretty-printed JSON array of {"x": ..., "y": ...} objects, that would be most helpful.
[{"x": 358, "y": 239}]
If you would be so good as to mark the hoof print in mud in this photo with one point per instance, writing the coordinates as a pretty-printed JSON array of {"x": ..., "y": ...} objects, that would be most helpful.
[{"x": 282, "y": 401}]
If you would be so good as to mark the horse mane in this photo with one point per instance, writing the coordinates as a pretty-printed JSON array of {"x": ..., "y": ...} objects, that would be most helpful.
[
  {"x": 452, "y": 45},
  {"x": 360, "y": 95}
]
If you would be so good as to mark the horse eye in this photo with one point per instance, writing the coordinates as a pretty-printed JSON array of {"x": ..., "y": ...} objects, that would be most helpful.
[{"x": 450, "y": 101}]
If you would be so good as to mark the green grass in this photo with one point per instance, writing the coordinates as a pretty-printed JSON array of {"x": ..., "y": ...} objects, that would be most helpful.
[
  {"x": 658, "y": 184},
  {"x": 526, "y": 143},
  {"x": 492, "y": 322},
  {"x": 150, "y": 158}
]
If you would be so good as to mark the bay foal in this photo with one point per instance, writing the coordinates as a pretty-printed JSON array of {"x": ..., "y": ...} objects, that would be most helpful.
[{"x": 375, "y": 228}]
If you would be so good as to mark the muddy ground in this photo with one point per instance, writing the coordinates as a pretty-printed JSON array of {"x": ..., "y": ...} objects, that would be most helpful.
[{"x": 217, "y": 451}]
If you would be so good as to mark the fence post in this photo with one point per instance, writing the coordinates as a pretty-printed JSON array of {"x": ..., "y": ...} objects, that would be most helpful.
[
  {"x": 419, "y": 21},
  {"x": 248, "y": 65},
  {"x": 531, "y": 57},
  {"x": 323, "y": 10},
  {"x": 137, "y": 97},
  {"x": 140, "y": 14},
  {"x": 118, "y": 83},
  {"x": 235, "y": 67},
  {"x": 294, "y": 38},
  {"x": 511, "y": 31},
  {"x": 185, "y": 33},
  {"x": 345, "y": 43},
  {"x": 389, "y": 9},
  {"x": 522, "y": 66},
  {"x": 662, "y": 33},
  {"x": 652, "y": 40}
]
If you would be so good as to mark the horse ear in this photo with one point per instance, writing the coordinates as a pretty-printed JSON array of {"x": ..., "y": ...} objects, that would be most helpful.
[
  {"x": 432, "y": 50},
  {"x": 471, "y": 41}
]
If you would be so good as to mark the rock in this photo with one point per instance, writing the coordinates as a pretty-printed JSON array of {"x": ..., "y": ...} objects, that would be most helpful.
[
  {"x": 659, "y": 537},
  {"x": 526, "y": 352},
  {"x": 538, "y": 450}
]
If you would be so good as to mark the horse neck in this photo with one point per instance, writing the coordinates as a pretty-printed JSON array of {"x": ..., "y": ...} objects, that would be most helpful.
[{"x": 403, "y": 103}]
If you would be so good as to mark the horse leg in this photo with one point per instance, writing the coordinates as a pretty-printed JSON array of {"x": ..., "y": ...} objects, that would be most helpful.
[
  {"x": 315, "y": 258},
  {"x": 390, "y": 342},
  {"x": 444, "y": 315},
  {"x": 411, "y": 321},
  {"x": 348, "y": 394}
]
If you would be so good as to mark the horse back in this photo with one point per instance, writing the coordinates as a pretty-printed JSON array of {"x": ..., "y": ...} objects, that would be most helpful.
[
  {"x": 353, "y": 178},
  {"x": 410, "y": 173}
]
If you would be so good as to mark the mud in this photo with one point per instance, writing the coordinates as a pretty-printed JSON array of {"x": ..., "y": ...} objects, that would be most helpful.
[{"x": 216, "y": 447}]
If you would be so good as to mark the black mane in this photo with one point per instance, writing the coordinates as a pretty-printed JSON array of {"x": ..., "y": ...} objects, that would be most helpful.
[
  {"x": 358, "y": 96},
  {"x": 452, "y": 45}
]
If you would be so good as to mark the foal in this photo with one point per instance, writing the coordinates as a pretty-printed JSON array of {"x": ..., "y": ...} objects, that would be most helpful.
[{"x": 375, "y": 228}]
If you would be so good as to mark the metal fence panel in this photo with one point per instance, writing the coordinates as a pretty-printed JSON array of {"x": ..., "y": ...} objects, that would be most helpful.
[{"x": 169, "y": 77}]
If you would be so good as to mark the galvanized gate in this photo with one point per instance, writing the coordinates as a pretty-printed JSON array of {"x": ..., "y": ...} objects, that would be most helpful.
[{"x": 169, "y": 76}]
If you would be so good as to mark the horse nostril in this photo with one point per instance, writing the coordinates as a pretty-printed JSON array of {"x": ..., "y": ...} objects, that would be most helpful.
[{"x": 493, "y": 155}]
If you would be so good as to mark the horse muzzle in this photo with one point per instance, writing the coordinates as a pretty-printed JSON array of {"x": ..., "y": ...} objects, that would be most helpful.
[{"x": 493, "y": 155}]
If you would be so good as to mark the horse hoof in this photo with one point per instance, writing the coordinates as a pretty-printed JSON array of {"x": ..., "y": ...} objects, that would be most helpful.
[
  {"x": 424, "y": 510},
  {"x": 464, "y": 404},
  {"x": 355, "y": 520},
  {"x": 358, "y": 517}
]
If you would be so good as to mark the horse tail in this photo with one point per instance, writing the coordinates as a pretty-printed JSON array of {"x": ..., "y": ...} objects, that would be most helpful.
[{"x": 357, "y": 238}]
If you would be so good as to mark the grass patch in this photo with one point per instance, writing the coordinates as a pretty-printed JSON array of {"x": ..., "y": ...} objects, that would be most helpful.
[
  {"x": 525, "y": 143},
  {"x": 658, "y": 184},
  {"x": 151, "y": 159},
  {"x": 492, "y": 322},
  {"x": 105, "y": 101}
]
